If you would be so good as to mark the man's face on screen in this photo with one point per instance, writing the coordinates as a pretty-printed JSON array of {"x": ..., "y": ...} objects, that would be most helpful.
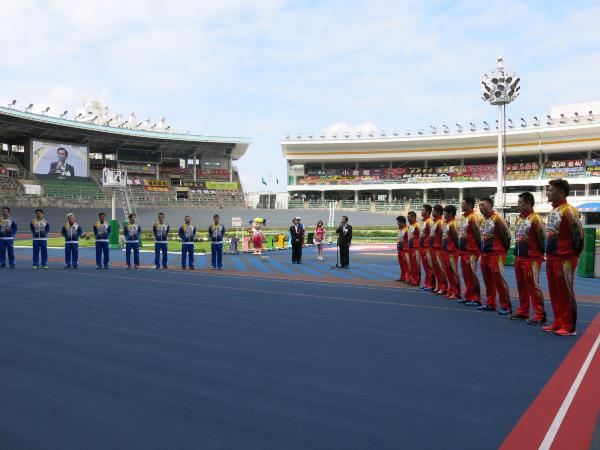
[{"x": 62, "y": 155}]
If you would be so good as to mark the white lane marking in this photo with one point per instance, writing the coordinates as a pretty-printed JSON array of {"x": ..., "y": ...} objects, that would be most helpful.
[{"x": 562, "y": 411}]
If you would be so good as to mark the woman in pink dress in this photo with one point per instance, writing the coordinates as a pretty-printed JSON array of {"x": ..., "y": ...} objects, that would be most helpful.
[{"x": 318, "y": 239}]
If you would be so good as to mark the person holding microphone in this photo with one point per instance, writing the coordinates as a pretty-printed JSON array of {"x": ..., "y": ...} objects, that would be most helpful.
[{"x": 344, "y": 232}]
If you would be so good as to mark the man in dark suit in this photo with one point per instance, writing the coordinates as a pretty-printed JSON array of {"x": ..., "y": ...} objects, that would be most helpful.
[
  {"x": 296, "y": 237},
  {"x": 60, "y": 167},
  {"x": 344, "y": 232}
]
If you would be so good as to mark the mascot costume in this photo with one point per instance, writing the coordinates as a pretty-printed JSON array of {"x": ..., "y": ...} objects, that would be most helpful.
[{"x": 257, "y": 235}]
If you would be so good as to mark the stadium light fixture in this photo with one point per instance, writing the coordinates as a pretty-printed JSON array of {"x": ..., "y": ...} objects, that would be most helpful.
[
  {"x": 536, "y": 121},
  {"x": 64, "y": 114},
  {"x": 590, "y": 116},
  {"x": 548, "y": 120},
  {"x": 445, "y": 128},
  {"x": 486, "y": 126},
  {"x": 359, "y": 134},
  {"x": 407, "y": 133},
  {"x": 510, "y": 123},
  {"x": 459, "y": 127},
  {"x": 168, "y": 128},
  {"x": 322, "y": 135},
  {"x": 310, "y": 135},
  {"x": 45, "y": 111},
  {"x": 29, "y": 107},
  {"x": 497, "y": 124},
  {"x": 12, "y": 104},
  {"x": 382, "y": 133},
  {"x": 346, "y": 134},
  {"x": 420, "y": 132},
  {"x": 563, "y": 119},
  {"x": 287, "y": 136},
  {"x": 472, "y": 126},
  {"x": 371, "y": 133},
  {"x": 523, "y": 122},
  {"x": 396, "y": 132},
  {"x": 433, "y": 129},
  {"x": 334, "y": 135},
  {"x": 78, "y": 116},
  {"x": 576, "y": 119},
  {"x": 499, "y": 89}
]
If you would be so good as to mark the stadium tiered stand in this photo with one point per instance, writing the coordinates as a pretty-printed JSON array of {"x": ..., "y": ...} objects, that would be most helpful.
[
  {"x": 142, "y": 152},
  {"x": 79, "y": 188}
]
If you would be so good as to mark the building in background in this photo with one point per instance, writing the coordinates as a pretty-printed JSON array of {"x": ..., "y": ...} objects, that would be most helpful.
[
  {"x": 400, "y": 171},
  {"x": 46, "y": 159}
]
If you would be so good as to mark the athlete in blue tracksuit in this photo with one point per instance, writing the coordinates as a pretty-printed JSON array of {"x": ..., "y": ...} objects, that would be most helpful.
[
  {"x": 72, "y": 232},
  {"x": 187, "y": 232},
  {"x": 161, "y": 241},
  {"x": 8, "y": 229},
  {"x": 39, "y": 230},
  {"x": 216, "y": 233},
  {"x": 132, "y": 233},
  {"x": 101, "y": 233}
]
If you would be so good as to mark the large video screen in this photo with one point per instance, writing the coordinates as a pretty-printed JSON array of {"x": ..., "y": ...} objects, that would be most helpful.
[{"x": 59, "y": 159}]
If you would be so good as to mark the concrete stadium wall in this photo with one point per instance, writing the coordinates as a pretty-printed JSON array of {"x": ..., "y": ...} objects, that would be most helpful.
[{"x": 86, "y": 217}]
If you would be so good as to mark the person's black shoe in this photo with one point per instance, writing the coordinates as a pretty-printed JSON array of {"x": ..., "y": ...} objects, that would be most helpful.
[
  {"x": 517, "y": 317},
  {"x": 536, "y": 321}
]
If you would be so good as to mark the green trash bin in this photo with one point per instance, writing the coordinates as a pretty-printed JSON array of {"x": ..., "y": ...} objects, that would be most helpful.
[
  {"x": 113, "y": 238},
  {"x": 270, "y": 241},
  {"x": 510, "y": 256},
  {"x": 585, "y": 268}
]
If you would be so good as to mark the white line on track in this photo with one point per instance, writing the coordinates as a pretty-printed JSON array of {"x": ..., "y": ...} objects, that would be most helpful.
[{"x": 562, "y": 411}]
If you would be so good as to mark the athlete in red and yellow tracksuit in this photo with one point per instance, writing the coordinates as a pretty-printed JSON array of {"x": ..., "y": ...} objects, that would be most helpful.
[
  {"x": 564, "y": 242},
  {"x": 402, "y": 247},
  {"x": 529, "y": 255},
  {"x": 495, "y": 241},
  {"x": 426, "y": 259},
  {"x": 469, "y": 245},
  {"x": 450, "y": 255},
  {"x": 435, "y": 245},
  {"x": 414, "y": 230}
]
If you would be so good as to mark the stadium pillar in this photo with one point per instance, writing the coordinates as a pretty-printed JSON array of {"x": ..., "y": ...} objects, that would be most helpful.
[
  {"x": 113, "y": 205},
  {"x": 587, "y": 190},
  {"x": 499, "y": 200},
  {"x": 460, "y": 195},
  {"x": 355, "y": 196},
  {"x": 322, "y": 196},
  {"x": 194, "y": 167},
  {"x": 230, "y": 169},
  {"x": 424, "y": 195},
  {"x": 390, "y": 193},
  {"x": 157, "y": 173}
]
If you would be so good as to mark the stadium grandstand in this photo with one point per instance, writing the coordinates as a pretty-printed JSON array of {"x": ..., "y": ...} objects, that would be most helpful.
[
  {"x": 394, "y": 172},
  {"x": 59, "y": 161}
]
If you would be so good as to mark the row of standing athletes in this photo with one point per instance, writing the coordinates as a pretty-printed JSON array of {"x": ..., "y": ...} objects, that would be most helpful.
[
  {"x": 132, "y": 234},
  {"x": 440, "y": 242}
]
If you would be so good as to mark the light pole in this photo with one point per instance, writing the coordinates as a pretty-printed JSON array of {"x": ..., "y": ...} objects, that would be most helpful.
[{"x": 500, "y": 88}]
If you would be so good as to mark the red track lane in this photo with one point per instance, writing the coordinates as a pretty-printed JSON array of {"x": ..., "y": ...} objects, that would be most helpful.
[{"x": 577, "y": 428}]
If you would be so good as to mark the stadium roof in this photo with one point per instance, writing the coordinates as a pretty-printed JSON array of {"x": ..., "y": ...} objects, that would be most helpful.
[
  {"x": 555, "y": 138},
  {"x": 17, "y": 127}
]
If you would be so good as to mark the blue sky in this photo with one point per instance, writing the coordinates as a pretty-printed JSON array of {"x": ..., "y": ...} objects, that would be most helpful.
[{"x": 263, "y": 68}]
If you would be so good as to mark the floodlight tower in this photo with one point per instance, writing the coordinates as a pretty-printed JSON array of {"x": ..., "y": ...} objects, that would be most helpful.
[{"x": 499, "y": 89}]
